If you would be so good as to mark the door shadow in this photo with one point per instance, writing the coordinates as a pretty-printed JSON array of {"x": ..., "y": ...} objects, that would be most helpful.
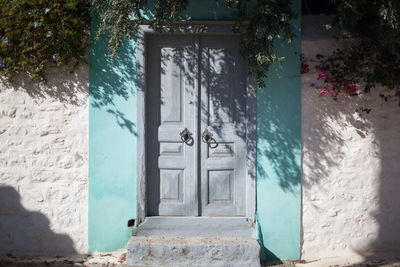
[{"x": 25, "y": 232}]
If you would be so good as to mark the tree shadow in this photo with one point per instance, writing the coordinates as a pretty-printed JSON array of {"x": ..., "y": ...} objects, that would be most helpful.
[
  {"x": 112, "y": 80},
  {"x": 279, "y": 134},
  {"x": 360, "y": 158},
  {"x": 279, "y": 110},
  {"x": 24, "y": 232},
  {"x": 63, "y": 85}
]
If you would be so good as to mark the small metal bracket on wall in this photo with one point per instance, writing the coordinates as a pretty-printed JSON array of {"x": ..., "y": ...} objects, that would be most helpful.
[{"x": 131, "y": 222}]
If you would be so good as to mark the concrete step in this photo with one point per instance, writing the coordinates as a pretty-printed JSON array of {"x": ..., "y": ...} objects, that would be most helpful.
[{"x": 193, "y": 251}]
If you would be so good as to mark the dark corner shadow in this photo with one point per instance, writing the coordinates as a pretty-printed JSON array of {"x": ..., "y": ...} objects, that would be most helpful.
[
  {"x": 386, "y": 128},
  {"x": 272, "y": 259},
  {"x": 24, "y": 232},
  {"x": 112, "y": 80},
  {"x": 69, "y": 87}
]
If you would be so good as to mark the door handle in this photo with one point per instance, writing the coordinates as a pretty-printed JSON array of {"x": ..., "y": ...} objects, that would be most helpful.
[
  {"x": 206, "y": 137},
  {"x": 186, "y": 136}
]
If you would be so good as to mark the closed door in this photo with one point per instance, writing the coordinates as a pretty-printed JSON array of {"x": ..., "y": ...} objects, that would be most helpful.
[{"x": 196, "y": 125}]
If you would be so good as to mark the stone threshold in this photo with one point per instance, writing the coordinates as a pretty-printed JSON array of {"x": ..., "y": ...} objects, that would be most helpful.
[{"x": 196, "y": 227}]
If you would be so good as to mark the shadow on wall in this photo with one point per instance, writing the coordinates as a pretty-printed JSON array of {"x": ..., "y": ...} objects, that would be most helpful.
[
  {"x": 386, "y": 128},
  {"x": 364, "y": 155},
  {"x": 279, "y": 156},
  {"x": 279, "y": 130},
  {"x": 112, "y": 80},
  {"x": 330, "y": 149},
  {"x": 62, "y": 85},
  {"x": 24, "y": 232}
]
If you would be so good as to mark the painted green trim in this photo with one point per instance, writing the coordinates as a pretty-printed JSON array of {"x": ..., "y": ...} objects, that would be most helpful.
[
  {"x": 279, "y": 154},
  {"x": 112, "y": 145}
]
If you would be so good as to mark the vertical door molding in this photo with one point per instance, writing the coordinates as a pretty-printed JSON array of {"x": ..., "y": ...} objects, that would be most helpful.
[{"x": 141, "y": 118}]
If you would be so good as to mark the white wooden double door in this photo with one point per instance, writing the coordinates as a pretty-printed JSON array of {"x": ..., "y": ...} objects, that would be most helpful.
[{"x": 197, "y": 83}]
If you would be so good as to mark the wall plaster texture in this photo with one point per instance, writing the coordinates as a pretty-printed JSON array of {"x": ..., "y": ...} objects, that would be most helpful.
[
  {"x": 351, "y": 170},
  {"x": 44, "y": 164}
]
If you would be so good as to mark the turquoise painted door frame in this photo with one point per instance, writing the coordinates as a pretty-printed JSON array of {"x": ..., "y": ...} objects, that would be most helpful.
[{"x": 113, "y": 134}]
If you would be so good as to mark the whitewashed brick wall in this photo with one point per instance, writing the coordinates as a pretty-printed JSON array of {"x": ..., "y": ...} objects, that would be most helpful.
[
  {"x": 351, "y": 167},
  {"x": 44, "y": 164}
]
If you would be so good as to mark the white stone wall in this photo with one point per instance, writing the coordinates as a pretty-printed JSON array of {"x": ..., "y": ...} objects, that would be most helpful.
[
  {"x": 44, "y": 164},
  {"x": 351, "y": 167}
]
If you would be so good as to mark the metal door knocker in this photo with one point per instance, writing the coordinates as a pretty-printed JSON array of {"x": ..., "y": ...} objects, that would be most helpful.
[
  {"x": 186, "y": 136},
  {"x": 207, "y": 138}
]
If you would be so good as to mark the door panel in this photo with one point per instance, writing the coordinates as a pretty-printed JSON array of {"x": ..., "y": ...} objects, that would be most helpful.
[
  {"x": 172, "y": 85},
  {"x": 172, "y": 179},
  {"x": 223, "y": 114},
  {"x": 198, "y": 83}
]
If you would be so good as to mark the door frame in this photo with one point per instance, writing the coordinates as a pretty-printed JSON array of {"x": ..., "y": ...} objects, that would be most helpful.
[{"x": 190, "y": 27}]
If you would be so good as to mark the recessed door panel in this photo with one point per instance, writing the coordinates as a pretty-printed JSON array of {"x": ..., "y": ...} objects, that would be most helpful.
[
  {"x": 220, "y": 185},
  {"x": 172, "y": 85},
  {"x": 218, "y": 69}
]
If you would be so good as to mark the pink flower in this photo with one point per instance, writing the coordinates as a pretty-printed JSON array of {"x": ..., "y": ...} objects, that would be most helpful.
[
  {"x": 356, "y": 110},
  {"x": 304, "y": 68},
  {"x": 353, "y": 90},
  {"x": 331, "y": 92},
  {"x": 360, "y": 115},
  {"x": 312, "y": 85},
  {"x": 323, "y": 91},
  {"x": 330, "y": 85},
  {"x": 324, "y": 74}
]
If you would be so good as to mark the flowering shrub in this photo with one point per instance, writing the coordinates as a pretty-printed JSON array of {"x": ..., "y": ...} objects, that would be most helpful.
[
  {"x": 353, "y": 72},
  {"x": 304, "y": 66},
  {"x": 33, "y": 33},
  {"x": 375, "y": 59}
]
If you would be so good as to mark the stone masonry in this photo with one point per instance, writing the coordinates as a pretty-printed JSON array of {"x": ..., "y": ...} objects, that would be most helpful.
[{"x": 44, "y": 164}]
